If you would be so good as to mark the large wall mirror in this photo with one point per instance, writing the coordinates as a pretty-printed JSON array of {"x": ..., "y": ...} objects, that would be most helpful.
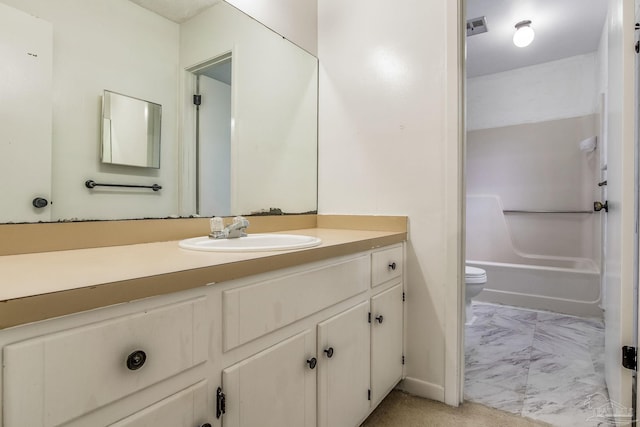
[
  {"x": 250, "y": 146},
  {"x": 255, "y": 129}
]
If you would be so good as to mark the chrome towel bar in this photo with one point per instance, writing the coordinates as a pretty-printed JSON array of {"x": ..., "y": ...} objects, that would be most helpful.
[{"x": 92, "y": 184}]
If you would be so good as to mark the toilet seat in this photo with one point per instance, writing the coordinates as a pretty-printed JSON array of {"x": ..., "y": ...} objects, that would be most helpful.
[{"x": 474, "y": 275}]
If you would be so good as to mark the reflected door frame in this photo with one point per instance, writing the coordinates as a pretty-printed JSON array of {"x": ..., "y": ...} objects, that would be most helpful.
[{"x": 188, "y": 145}]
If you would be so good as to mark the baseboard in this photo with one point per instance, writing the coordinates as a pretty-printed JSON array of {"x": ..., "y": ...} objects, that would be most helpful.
[{"x": 422, "y": 389}]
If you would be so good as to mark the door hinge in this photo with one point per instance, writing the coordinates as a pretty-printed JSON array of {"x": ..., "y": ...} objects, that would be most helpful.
[
  {"x": 197, "y": 99},
  {"x": 369, "y": 394},
  {"x": 369, "y": 317},
  {"x": 404, "y": 297},
  {"x": 629, "y": 358},
  {"x": 403, "y": 359},
  {"x": 221, "y": 403}
]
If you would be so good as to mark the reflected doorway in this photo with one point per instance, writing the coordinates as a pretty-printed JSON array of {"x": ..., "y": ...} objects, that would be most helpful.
[{"x": 213, "y": 136}]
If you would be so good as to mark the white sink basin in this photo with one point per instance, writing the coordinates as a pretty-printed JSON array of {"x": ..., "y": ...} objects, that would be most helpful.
[{"x": 251, "y": 243}]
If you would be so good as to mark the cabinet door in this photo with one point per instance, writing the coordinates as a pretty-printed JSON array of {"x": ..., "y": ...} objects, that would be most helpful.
[
  {"x": 274, "y": 388},
  {"x": 343, "y": 369},
  {"x": 187, "y": 408},
  {"x": 386, "y": 341}
]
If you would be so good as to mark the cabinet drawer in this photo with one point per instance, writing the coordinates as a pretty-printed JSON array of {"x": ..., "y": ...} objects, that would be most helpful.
[
  {"x": 187, "y": 408},
  {"x": 55, "y": 378},
  {"x": 253, "y": 311},
  {"x": 386, "y": 265}
]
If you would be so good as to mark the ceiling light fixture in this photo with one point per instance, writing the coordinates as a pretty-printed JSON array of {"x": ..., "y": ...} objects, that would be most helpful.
[{"x": 524, "y": 34}]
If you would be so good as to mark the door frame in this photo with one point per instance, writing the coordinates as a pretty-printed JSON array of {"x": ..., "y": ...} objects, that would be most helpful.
[{"x": 455, "y": 205}]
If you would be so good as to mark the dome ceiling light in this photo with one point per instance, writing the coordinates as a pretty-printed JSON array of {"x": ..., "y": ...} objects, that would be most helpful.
[{"x": 524, "y": 34}]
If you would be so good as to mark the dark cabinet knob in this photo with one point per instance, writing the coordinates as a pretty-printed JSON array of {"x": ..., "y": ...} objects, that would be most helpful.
[
  {"x": 329, "y": 352},
  {"x": 312, "y": 362},
  {"x": 392, "y": 266},
  {"x": 136, "y": 360},
  {"x": 380, "y": 318},
  {"x": 40, "y": 202},
  {"x": 206, "y": 425}
]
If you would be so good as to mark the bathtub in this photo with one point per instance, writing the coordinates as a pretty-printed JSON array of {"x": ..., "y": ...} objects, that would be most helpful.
[{"x": 563, "y": 285}]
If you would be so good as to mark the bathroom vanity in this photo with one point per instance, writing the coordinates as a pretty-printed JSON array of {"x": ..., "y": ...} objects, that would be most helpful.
[{"x": 292, "y": 338}]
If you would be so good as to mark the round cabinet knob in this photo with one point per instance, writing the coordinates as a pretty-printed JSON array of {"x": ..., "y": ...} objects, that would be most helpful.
[
  {"x": 312, "y": 362},
  {"x": 136, "y": 360},
  {"x": 379, "y": 318},
  {"x": 40, "y": 202},
  {"x": 329, "y": 352},
  {"x": 206, "y": 425},
  {"x": 392, "y": 266}
]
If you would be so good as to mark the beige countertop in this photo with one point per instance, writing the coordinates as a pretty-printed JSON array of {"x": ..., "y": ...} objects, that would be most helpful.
[{"x": 43, "y": 285}]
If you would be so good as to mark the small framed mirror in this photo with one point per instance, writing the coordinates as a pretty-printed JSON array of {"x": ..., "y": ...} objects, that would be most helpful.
[{"x": 130, "y": 131}]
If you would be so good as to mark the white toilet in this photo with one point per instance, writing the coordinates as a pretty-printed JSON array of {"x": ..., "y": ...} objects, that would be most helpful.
[{"x": 474, "y": 280}]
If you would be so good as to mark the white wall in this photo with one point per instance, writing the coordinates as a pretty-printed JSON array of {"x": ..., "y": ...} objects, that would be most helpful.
[
  {"x": 25, "y": 115},
  {"x": 602, "y": 60},
  {"x": 553, "y": 90},
  {"x": 115, "y": 45},
  {"x": 536, "y": 166},
  {"x": 274, "y": 109},
  {"x": 215, "y": 148},
  {"x": 294, "y": 19},
  {"x": 389, "y": 136}
]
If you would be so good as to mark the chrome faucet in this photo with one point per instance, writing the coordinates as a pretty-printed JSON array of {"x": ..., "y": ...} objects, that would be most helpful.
[{"x": 238, "y": 228}]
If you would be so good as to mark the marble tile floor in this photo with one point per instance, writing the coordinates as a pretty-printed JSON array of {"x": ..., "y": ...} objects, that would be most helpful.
[{"x": 536, "y": 364}]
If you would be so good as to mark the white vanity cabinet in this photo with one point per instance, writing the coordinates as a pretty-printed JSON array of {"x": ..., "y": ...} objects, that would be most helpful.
[
  {"x": 77, "y": 375},
  {"x": 187, "y": 408},
  {"x": 346, "y": 352},
  {"x": 318, "y": 344},
  {"x": 293, "y": 381},
  {"x": 343, "y": 369},
  {"x": 274, "y": 388},
  {"x": 386, "y": 264},
  {"x": 304, "y": 381},
  {"x": 386, "y": 341}
]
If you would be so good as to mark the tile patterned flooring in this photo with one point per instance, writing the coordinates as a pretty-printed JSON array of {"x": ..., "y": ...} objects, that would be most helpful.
[{"x": 541, "y": 365}]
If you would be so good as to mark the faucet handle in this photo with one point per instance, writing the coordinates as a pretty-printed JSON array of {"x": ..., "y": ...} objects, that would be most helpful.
[
  {"x": 217, "y": 224},
  {"x": 244, "y": 222}
]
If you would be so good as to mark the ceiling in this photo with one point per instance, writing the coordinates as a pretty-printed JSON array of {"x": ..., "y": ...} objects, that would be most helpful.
[
  {"x": 176, "y": 10},
  {"x": 563, "y": 28}
]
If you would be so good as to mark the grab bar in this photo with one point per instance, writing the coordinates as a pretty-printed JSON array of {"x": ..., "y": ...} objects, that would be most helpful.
[
  {"x": 545, "y": 211},
  {"x": 92, "y": 184}
]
